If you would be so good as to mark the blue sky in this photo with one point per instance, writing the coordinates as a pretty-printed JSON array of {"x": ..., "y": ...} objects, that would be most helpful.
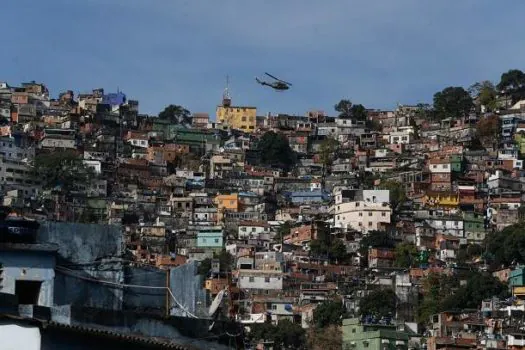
[{"x": 376, "y": 53}]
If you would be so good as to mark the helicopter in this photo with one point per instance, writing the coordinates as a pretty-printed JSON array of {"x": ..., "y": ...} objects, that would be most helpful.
[{"x": 278, "y": 84}]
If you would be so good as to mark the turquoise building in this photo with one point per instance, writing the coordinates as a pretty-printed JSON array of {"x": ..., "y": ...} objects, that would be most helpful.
[{"x": 210, "y": 239}]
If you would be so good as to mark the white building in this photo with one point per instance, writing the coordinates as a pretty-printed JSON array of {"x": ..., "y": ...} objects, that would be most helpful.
[
  {"x": 18, "y": 175},
  {"x": 369, "y": 196},
  {"x": 361, "y": 215},
  {"x": 260, "y": 279},
  {"x": 95, "y": 165},
  {"x": 9, "y": 149},
  {"x": 252, "y": 229},
  {"x": 404, "y": 136},
  {"x": 452, "y": 226},
  {"x": 138, "y": 141}
]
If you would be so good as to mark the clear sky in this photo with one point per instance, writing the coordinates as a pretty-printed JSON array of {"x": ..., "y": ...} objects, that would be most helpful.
[{"x": 376, "y": 53}]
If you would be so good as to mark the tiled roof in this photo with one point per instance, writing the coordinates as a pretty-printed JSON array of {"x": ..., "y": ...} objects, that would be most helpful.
[{"x": 132, "y": 338}]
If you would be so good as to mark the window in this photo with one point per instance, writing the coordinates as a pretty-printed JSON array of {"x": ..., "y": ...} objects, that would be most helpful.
[
  {"x": 27, "y": 292},
  {"x": 216, "y": 240},
  {"x": 370, "y": 224},
  {"x": 252, "y": 279},
  {"x": 434, "y": 166},
  {"x": 266, "y": 279},
  {"x": 370, "y": 213},
  {"x": 360, "y": 214},
  {"x": 357, "y": 204}
]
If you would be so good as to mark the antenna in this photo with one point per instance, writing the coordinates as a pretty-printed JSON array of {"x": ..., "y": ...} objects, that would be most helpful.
[{"x": 226, "y": 99}]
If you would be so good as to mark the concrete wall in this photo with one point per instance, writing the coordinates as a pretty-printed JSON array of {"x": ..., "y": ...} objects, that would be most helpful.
[
  {"x": 14, "y": 337},
  {"x": 29, "y": 266},
  {"x": 74, "y": 288},
  {"x": 141, "y": 299},
  {"x": 82, "y": 243},
  {"x": 82, "y": 249},
  {"x": 188, "y": 288}
]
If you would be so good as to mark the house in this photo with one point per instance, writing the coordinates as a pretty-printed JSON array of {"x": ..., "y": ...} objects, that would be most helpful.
[
  {"x": 260, "y": 279},
  {"x": 361, "y": 215},
  {"x": 236, "y": 117},
  {"x": 252, "y": 229},
  {"x": 59, "y": 138},
  {"x": 19, "y": 175},
  {"x": 380, "y": 257},
  {"x": 306, "y": 197},
  {"x": 441, "y": 199},
  {"x": 212, "y": 237},
  {"x": 137, "y": 139},
  {"x": 200, "y": 120},
  {"x": 28, "y": 271},
  {"x": 440, "y": 171},
  {"x": 226, "y": 203},
  {"x": 367, "y": 336}
]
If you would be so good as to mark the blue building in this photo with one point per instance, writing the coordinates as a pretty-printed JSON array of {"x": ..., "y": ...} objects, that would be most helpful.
[
  {"x": 210, "y": 238},
  {"x": 307, "y": 197}
]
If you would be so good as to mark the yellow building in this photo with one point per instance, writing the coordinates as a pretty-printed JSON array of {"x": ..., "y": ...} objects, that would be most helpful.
[
  {"x": 438, "y": 199},
  {"x": 226, "y": 202},
  {"x": 236, "y": 117}
]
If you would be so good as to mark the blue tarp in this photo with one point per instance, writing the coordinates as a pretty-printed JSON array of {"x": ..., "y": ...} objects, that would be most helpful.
[{"x": 114, "y": 99}]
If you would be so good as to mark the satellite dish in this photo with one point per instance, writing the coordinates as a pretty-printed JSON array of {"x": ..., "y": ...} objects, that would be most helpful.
[{"x": 216, "y": 303}]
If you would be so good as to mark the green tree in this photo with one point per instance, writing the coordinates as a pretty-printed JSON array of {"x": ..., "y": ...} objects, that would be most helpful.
[
  {"x": 397, "y": 192},
  {"x": 506, "y": 246},
  {"x": 275, "y": 150},
  {"x": 513, "y": 83},
  {"x": 329, "y": 313},
  {"x": 285, "y": 335},
  {"x": 344, "y": 107},
  {"x": 436, "y": 288},
  {"x": 359, "y": 112},
  {"x": 325, "y": 245},
  {"x": 375, "y": 239},
  {"x": 283, "y": 230},
  {"x": 479, "y": 286},
  {"x": 64, "y": 169},
  {"x": 327, "y": 151},
  {"x": 225, "y": 260},
  {"x": 405, "y": 255},
  {"x": 488, "y": 96},
  {"x": 379, "y": 303},
  {"x": 452, "y": 102},
  {"x": 488, "y": 129},
  {"x": 176, "y": 114},
  {"x": 327, "y": 338}
]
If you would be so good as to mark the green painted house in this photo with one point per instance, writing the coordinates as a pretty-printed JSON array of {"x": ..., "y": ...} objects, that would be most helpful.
[
  {"x": 456, "y": 163},
  {"x": 474, "y": 226},
  {"x": 198, "y": 140},
  {"x": 359, "y": 336}
]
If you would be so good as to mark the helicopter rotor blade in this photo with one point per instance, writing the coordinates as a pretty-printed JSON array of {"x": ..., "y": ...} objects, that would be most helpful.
[{"x": 282, "y": 81}]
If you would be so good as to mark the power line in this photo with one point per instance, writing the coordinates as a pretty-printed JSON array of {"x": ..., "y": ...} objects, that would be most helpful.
[{"x": 122, "y": 285}]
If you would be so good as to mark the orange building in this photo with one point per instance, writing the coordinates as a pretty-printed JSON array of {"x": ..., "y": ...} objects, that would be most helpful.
[
  {"x": 167, "y": 153},
  {"x": 215, "y": 285},
  {"x": 226, "y": 202}
]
